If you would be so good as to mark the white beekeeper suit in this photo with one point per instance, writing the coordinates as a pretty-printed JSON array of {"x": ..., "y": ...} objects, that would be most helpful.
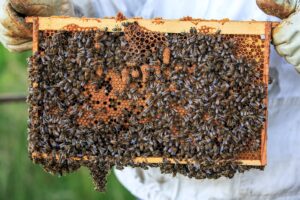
[{"x": 281, "y": 177}]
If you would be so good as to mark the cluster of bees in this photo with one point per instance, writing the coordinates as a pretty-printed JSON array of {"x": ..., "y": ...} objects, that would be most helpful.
[{"x": 172, "y": 95}]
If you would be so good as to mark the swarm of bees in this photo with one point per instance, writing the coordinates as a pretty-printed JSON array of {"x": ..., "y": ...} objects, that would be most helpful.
[{"x": 114, "y": 96}]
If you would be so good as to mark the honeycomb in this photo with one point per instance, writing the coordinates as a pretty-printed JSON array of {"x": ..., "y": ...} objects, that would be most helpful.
[
  {"x": 140, "y": 40},
  {"x": 104, "y": 96}
]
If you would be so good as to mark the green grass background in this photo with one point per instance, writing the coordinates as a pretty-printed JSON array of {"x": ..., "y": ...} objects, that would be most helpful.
[{"x": 20, "y": 179}]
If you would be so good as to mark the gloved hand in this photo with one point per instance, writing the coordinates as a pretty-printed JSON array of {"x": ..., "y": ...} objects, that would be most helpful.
[
  {"x": 286, "y": 36},
  {"x": 15, "y": 34}
]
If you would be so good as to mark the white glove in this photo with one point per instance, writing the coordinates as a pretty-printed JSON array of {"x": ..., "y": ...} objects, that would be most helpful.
[
  {"x": 286, "y": 36},
  {"x": 15, "y": 34}
]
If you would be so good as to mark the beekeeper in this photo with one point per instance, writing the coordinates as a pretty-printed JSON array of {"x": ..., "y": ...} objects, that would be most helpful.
[{"x": 281, "y": 177}]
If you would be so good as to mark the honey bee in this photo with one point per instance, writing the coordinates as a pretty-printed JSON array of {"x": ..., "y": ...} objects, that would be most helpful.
[{"x": 117, "y": 28}]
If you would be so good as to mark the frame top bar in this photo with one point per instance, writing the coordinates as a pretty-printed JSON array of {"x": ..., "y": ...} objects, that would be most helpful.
[{"x": 159, "y": 25}]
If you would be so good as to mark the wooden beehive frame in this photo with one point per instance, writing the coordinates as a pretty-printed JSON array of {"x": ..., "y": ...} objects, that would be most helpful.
[{"x": 263, "y": 29}]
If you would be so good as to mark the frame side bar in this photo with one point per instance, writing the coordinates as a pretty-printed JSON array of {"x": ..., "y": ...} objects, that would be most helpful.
[
  {"x": 35, "y": 32},
  {"x": 268, "y": 29}
]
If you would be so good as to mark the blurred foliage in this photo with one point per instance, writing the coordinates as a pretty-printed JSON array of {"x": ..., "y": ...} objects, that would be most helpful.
[{"x": 20, "y": 179}]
